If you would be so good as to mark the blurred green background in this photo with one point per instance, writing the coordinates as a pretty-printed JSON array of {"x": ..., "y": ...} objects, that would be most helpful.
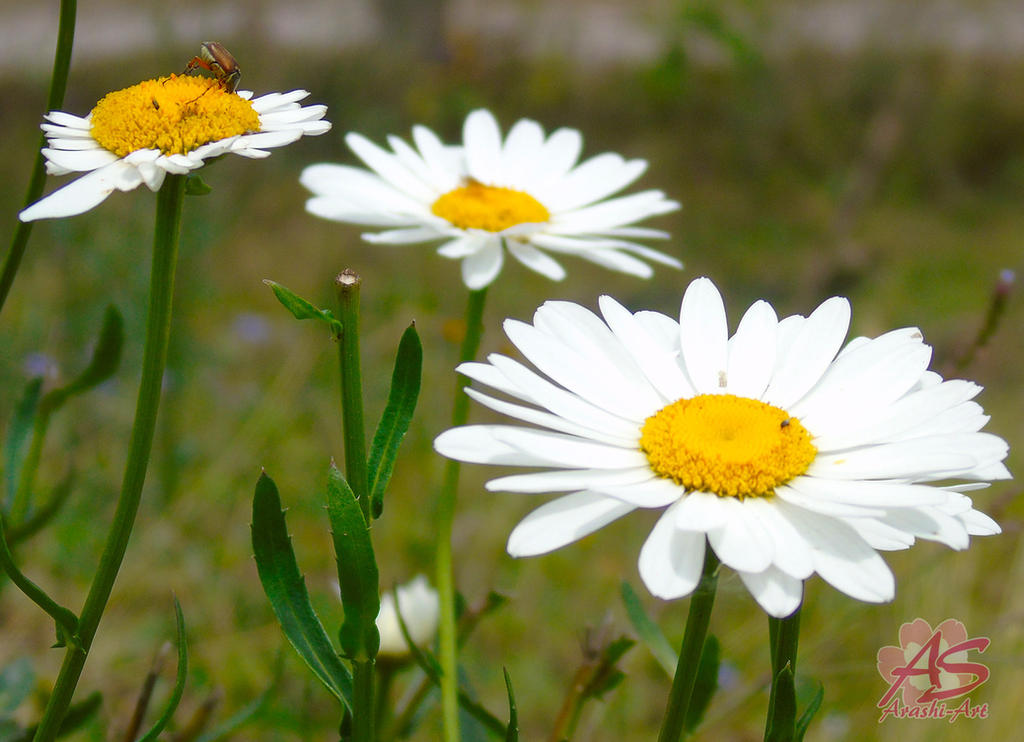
[{"x": 870, "y": 149}]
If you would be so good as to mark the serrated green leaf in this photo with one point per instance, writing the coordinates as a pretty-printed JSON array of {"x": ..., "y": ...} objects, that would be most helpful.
[
  {"x": 19, "y": 433},
  {"x": 303, "y": 309},
  {"x": 16, "y": 680},
  {"x": 648, "y": 631},
  {"x": 812, "y": 708},
  {"x": 106, "y": 357},
  {"x": 196, "y": 186},
  {"x": 179, "y": 682},
  {"x": 394, "y": 421},
  {"x": 357, "y": 569},
  {"x": 286, "y": 590},
  {"x": 782, "y": 708},
  {"x": 705, "y": 684},
  {"x": 512, "y": 733}
]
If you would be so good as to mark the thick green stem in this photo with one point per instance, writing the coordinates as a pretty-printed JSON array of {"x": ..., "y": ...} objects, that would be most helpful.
[
  {"x": 701, "y": 603},
  {"x": 363, "y": 710},
  {"x": 158, "y": 324},
  {"x": 354, "y": 432},
  {"x": 448, "y": 640},
  {"x": 783, "y": 638},
  {"x": 54, "y": 101}
]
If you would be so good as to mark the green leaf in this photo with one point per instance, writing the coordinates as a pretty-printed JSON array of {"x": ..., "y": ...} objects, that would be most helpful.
[
  {"x": 357, "y": 569},
  {"x": 196, "y": 186},
  {"x": 782, "y": 708},
  {"x": 705, "y": 684},
  {"x": 303, "y": 309},
  {"x": 179, "y": 683},
  {"x": 812, "y": 708},
  {"x": 286, "y": 590},
  {"x": 18, "y": 435},
  {"x": 16, "y": 681},
  {"x": 648, "y": 631},
  {"x": 106, "y": 357},
  {"x": 394, "y": 421},
  {"x": 512, "y": 734}
]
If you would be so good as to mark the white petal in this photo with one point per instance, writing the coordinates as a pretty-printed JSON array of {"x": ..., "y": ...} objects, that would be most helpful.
[
  {"x": 79, "y": 161},
  {"x": 671, "y": 561},
  {"x": 741, "y": 542},
  {"x": 482, "y": 139},
  {"x": 567, "y": 452},
  {"x": 792, "y": 555},
  {"x": 563, "y": 521},
  {"x": 979, "y": 524},
  {"x": 810, "y": 352},
  {"x": 560, "y": 153},
  {"x": 868, "y": 493},
  {"x": 535, "y": 389},
  {"x": 704, "y": 336},
  {"x": 483, "y": 266},
  {"x": 573, "y": 479},
  {"x": 842, "y": 557},
  {"x": 535, "y": 260},
  {"x": 549, "y": 421},
  {"x": 443, "y": 163},
  {"x": 403, "y": 236},
  {"x": 701, "y": 511},
  {"x": 655, "y": 493},
  {"x": 658, "y": 362},
  {"x": 752, "y": 351},
  {"x": 591, "y": 181},
  {"x": 84, "y": 193},
  {"x": 519, "y": 158},
  {"x": 390, "y": 168},
  {"x": 778, "y": 593},
  {"x": 478, "y": 444}
]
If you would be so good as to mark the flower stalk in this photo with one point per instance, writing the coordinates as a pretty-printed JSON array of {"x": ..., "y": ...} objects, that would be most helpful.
[
  {"x": 54, "y": 101},
  {"x": 348, "y": 283},
  {"x": 701, "y": 603},
  {"x": 158, "y": 323},
  {"x": 783, "y": 637},
  {"x": 448, "y": 639}
]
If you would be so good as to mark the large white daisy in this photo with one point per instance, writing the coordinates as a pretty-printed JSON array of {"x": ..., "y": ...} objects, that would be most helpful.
[
  {"x": 785, "y": 450},
  {"x": 526, "y": 193},
  {"x": 173, "y": 125}
]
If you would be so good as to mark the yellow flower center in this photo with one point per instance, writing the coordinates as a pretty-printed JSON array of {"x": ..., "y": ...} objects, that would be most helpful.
[
  {"x": 731, "y": 446},
  {"x": 491, "y": 208},
  {"x": 173, "y": 114}
]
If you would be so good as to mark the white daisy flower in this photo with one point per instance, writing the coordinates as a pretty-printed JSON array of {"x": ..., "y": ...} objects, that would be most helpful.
[
  {"x": 421, "y": 610},
  {"x": 788, "y": 455},
  {"x": 526, "y": 193},
  {"x": 173, "y": 125}
]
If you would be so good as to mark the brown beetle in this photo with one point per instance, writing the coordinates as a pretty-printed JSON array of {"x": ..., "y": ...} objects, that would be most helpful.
[{"x": 218, "y": 60}]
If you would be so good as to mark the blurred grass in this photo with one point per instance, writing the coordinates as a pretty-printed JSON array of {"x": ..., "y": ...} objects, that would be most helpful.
[{"x": 895, "y": 180}]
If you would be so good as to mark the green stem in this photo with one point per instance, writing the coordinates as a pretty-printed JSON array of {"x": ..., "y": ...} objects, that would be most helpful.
[
  {"x": 448, "y": 640},
  {"x": 701, "y": 603},
  {"x": 363, "y": 711},
  {"x": 783, "y": 638},
  {"x": 354, "y": 432},
  {"x": 158, "y": 324},
  {"x": 54, "y": 101}
]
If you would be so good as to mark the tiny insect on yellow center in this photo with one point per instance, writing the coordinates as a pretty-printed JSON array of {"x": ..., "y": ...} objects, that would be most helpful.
[
  {"x": 731, "y": 446},
  {"x": 490, "y": 208},
  {"x": 175, "y": 115}
]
